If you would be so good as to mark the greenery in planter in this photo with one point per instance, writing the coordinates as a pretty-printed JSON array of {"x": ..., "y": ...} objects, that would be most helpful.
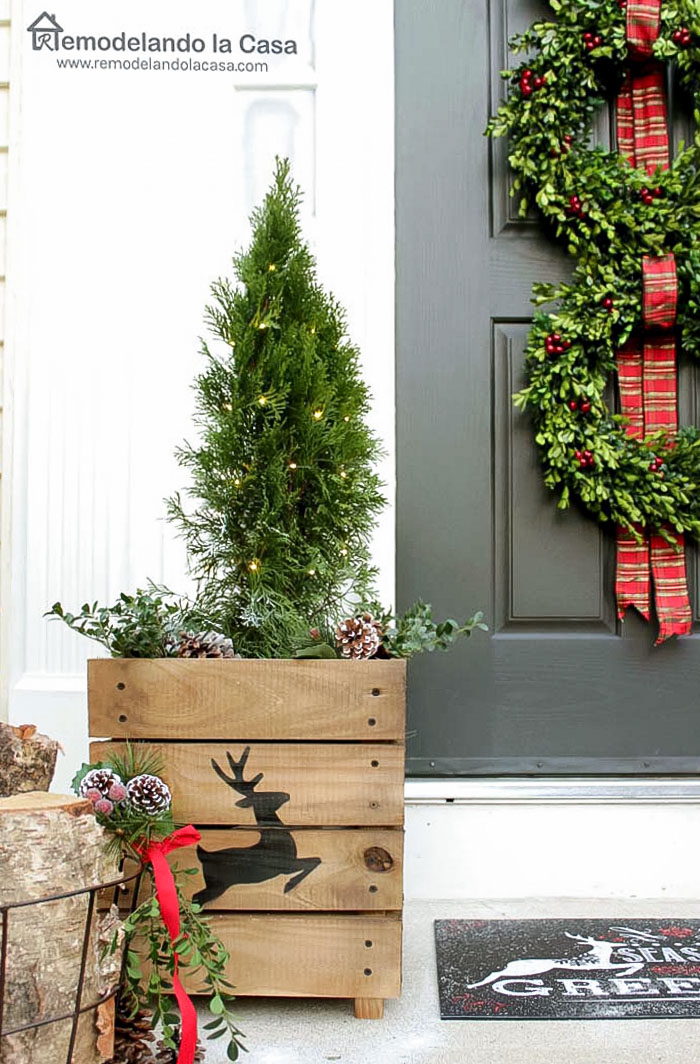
[
  {"x": 142, "y": 625},
  {"x": 283, "y": 495}
]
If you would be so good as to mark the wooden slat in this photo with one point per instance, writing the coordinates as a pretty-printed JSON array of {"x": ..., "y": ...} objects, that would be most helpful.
[
  {"x": 293, "y": 955},
  {"x": 340, "y": 785},
  {"x": 356, "y": 870},
  {"x": 254, "y": 699}
]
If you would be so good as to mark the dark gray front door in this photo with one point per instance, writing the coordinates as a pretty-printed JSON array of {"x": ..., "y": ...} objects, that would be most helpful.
[{"x": 558, "y": 685}]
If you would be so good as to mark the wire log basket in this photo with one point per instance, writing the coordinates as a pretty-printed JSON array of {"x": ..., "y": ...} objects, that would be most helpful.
[{"x": 119, "y": 887}]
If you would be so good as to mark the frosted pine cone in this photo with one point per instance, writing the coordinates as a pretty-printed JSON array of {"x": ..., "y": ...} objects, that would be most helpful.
[
  {"x": 148, "y": 794},
  {"x": 99, "y": 779},
  {"x": 359, "y": 637},
  {"x": 205, "y": 645}
]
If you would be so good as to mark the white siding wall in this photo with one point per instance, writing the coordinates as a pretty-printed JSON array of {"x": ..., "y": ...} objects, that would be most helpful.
[{"x": 130, "y": 191}]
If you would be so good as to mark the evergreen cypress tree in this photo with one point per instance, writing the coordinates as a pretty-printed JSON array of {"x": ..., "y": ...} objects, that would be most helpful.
[{"x": 283, "y": 478}]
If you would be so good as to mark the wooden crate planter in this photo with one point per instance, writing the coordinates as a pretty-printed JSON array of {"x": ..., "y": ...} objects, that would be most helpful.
[{"x": 302, "y": 867}]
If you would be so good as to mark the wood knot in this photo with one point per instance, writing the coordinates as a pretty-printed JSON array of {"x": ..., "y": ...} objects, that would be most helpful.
[{"x": 377, "y": 859}]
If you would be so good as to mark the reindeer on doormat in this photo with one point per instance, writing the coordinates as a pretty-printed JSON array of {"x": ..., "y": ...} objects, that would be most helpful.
[{"x": 275, "y": 854}]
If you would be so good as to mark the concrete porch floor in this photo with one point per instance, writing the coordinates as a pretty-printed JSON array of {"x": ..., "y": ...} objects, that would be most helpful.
[{"x": 301, "y": 1031}]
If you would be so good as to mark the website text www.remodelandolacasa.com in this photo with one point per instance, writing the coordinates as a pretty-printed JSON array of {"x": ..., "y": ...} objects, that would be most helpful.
[{"x": 163, "y": 64}]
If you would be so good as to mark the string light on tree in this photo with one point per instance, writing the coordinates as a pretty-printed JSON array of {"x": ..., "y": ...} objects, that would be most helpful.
[{"x": 288, "y": 390}]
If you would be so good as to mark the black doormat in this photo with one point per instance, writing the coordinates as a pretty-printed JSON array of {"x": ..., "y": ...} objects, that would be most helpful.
[{"x": 568, "y": 969}]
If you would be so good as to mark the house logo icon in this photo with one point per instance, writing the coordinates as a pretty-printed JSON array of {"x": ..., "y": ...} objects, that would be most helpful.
[{"x": 45, "y": 31}]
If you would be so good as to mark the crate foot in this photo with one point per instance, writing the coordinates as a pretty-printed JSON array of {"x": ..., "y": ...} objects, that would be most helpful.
[{"x": 369, "y": 1008}]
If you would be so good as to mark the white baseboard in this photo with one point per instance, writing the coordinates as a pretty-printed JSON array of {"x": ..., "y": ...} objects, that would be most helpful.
[{"x": 532, "y": 838}]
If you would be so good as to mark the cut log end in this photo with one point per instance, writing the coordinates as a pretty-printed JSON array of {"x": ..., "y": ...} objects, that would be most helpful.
[{"x": 27, "y": 760}]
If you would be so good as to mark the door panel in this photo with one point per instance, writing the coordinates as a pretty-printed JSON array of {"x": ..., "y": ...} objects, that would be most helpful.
[{"x": 558, "y": 685}]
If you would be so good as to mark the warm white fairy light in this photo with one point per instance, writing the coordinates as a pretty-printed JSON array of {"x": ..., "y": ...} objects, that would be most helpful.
[
  {"x": 228, "y": 406},
  {"x": 346, "y": 418},
  {"x": 262, "y": 400},
  {"x": 292, "y": 465},
  {"x": 344, "y": 551},
  {"x": 253, "y": 566},
  {"x": 312, "y": 572},
  {"x": 318, "y": 414},
  {"x": 343, "y": 473},
  {"x": 272, "y": 267},
  {"x": 262, "y": 325}
]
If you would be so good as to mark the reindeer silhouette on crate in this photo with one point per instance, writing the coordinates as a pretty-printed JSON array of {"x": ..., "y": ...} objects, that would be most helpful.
[{"x": 275, "y": 854}]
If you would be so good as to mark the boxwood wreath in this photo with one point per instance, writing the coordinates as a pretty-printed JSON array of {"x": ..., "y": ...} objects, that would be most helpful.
[{"x": 609, "y": 215}]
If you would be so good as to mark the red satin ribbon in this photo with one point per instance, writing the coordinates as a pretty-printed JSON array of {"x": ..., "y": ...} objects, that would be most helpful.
[{"x": 155, "y": 854}]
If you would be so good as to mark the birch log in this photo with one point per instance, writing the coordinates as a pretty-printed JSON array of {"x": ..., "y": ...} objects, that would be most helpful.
[
  {"x": 50, "y": 844},
  {"x": 27, "y": 759}
]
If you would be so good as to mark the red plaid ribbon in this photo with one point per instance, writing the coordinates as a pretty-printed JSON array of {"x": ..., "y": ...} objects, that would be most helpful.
[{"x": 647, "y": 369}]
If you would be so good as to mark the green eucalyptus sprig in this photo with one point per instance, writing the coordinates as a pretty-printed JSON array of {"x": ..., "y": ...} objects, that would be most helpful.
[{"x": 415, "y": 631}]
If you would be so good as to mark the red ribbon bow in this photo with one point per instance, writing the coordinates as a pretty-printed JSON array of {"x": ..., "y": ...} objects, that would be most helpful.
[{"x": 155, "y": 854}]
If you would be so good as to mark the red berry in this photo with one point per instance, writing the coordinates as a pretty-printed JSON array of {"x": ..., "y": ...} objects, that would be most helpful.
[
  {"x": 588, "y": 36},
  {"x": 585, "y": 407},
  {"x": 527, "y": 73},
  {"x": 566, "y": 345},
  {"x": 544, "y": 79},
  {"x": 597, "y": 41},
  {"x": 556, "y": 337},
  {"x": 538, "y": 83},
  {"x": 568, "y": 139},
  {"x": 573, "y": 404},
  {"x": 677, "y": 36},
  {"x": 658, "y": 191},
  {"x": 578, "y": 454},
  {"x": 526, "y": 90},
  {"x": 607, "y": 302}
]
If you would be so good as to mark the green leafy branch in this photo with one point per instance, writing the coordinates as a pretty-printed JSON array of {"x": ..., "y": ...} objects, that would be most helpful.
[{"x": 150, "y": 965}]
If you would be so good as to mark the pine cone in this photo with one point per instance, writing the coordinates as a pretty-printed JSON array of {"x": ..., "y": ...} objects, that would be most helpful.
[
  {"x": 148, "y": 794},
  {"x": 101, "y": 779},
  {"x": 169, "y": 1056},
  {"x": 132, "y": 1038},
  {"x": 359, "y": 637},
  {"x": 205, "y": 645}
]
